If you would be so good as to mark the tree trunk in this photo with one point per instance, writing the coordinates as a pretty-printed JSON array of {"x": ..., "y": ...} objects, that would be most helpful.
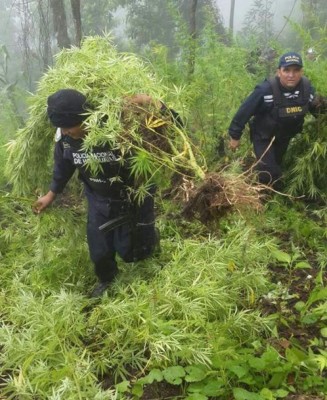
[
  {"x": 76, "y": 10},
  {"x": 26, "y": 26},
  {"x": 193, "y": 36},
  {"x": 231, "y": 17},
  {"x": 44, "y": 41},
  {"x": 60, "y": 23}
]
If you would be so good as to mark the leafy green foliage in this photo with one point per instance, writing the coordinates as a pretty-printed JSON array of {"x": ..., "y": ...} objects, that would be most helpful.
[
  {"x": 96, "y": 70},
  {"x": 251, "y": 375},
  {"x": 191, "y": 317},
  {"x": 314, "y": 17},
  {"x": 57, "y": 340},
  {"x": 10, "y": 118},
  {"x": 207, "y": 99},
  {"x": 106, "y": 77},
  {"x": 308, "y": 159}
]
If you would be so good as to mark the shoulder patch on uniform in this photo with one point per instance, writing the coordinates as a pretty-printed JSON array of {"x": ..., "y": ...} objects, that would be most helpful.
[
  {"x": 58, "y": 135},
  {"x": 269, "y": 98}
]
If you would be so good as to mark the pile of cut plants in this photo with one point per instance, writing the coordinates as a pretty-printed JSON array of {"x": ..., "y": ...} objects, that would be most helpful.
[{"x": 156, "y": 146}]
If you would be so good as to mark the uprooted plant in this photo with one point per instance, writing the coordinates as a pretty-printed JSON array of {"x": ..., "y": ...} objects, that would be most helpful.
[{"x": 147, "y": 135}]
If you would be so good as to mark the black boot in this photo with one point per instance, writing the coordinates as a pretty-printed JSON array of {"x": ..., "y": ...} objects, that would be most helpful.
[
  {"x": 99, "y": 289},
  {"x": 106, "y": 270}
]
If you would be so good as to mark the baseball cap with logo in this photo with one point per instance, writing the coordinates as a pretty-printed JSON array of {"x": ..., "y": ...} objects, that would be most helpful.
[{"x": 290, "y": 58}]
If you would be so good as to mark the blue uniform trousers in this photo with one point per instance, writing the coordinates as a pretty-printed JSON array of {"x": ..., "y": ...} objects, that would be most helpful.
[
  {"x": 132, "y": 241},
  {"x": 269, "y": 168}
]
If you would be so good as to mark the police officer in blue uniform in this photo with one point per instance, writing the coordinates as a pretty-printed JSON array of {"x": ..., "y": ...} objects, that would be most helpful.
[
  {"x": 275, "y": 111},
  {"x": 134, "y": 237}
]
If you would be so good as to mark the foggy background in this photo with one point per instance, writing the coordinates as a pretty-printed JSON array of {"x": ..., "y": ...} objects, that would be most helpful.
[
  {"x": 280, "y": 9},
  {"x": 33, "y": 32}
]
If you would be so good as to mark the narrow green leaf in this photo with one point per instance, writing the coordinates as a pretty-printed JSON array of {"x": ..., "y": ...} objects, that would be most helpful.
[{"x": 302, "y": 265}]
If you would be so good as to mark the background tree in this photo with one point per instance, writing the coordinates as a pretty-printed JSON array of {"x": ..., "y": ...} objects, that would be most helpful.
[
  {"x": 258, "y": 23},
  {"x": 60, "y": 23},
  {"x": 45, "y": 50},
  {"x": 169, "y": 23},
  {"x": 193, "y": 35},
  {"x": 9, "y": 103},
  {"x": 76, "y": 12},
  {"x": 98, "y": 16},
  {"x": 314, "y": 25},
  {"x": 25, "y": 12},
  {"x": 231, "y": 16},
  {"x": 314, "y": 14}
]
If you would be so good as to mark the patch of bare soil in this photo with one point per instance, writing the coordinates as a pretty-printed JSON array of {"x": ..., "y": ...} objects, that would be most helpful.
[
  {"x": 155, "y": 391},
  {"x": 161, "y": 391},
  {"x": 299, "y": 284}
]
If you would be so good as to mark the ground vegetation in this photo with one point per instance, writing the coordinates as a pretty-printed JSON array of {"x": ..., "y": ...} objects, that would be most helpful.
[{"x": 234, "y": 306}]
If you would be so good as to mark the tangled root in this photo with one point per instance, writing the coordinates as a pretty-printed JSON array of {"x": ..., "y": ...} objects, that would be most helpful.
[
  {"x": 219, "y": 194},
  {"x": 320, "y": 102},
  {"x": 145, "y": 126}
]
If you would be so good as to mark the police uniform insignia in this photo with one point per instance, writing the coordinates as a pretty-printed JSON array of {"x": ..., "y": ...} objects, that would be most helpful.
[
  {"x": 66, "y": 145},
  {"x": 293, "y": 111},
  {"x": 58, "y": 135}
]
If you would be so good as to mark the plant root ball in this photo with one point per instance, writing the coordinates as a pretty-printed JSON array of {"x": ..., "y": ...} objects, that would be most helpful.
[{"x": 219, "y": 194}]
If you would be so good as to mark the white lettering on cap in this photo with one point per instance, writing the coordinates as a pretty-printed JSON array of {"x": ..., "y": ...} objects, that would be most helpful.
[{"x": 292, "y": 59}]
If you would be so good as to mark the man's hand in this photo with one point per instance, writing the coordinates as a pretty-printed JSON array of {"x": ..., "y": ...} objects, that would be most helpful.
[
  {"x": 234, "y": 144},
  {"x": 43, "y": 202}
]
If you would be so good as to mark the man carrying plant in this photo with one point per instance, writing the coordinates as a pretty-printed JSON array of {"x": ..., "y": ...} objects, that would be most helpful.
[
  {"x": 275, "y": 111},
  {"x": 129, "y": 227}
]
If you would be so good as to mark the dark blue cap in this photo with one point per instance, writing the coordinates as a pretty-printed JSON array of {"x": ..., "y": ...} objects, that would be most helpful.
[
  {"x": 67, "y": 108},
  {"x": 290, "y": 58}
]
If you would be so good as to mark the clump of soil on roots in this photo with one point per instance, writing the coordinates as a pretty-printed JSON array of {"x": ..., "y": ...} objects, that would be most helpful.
[
  {"x": 153, "y": 128},
  {"x": 207, "y": 199},
  {"x": 219, "y": 194}
]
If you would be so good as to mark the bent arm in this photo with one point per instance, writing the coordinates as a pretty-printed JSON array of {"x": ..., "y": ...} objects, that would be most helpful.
[
  {"x": 62, "y": 172},
  {"x": 247, "y": 109}
]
